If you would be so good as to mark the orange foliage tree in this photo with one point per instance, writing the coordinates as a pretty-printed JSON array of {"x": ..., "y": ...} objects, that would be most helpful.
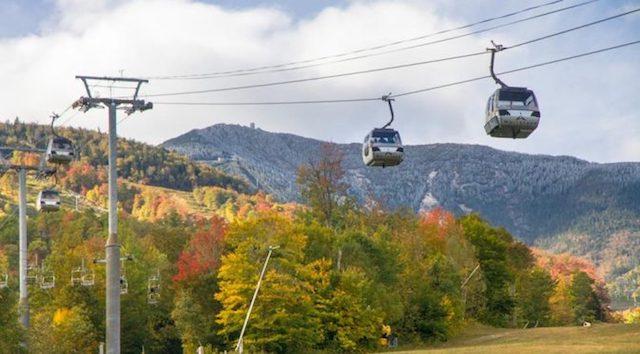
[{"x": 202, "y": 254}]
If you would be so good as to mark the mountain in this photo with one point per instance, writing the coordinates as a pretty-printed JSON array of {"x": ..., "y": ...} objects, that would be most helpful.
[
  {"x": 137, "y": 162},
  {"x": 551, "y": 201}
]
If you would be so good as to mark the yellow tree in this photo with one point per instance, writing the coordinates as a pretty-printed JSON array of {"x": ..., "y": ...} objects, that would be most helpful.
[{"x": 284, "y": 318}]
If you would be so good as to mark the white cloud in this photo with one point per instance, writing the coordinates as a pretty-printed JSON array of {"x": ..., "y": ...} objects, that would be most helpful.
[{"x": 589, "y": 106}]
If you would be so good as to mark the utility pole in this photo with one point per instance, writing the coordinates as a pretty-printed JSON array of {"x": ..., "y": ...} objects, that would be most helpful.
[
  {"x": 239, "y": 346},
  {"x": 112, "y": 247}
]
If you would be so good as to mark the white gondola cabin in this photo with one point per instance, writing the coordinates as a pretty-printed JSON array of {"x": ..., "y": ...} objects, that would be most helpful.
[
  {"x": 60, "y": 150},
  {"x": 382, "y": 147},
  {"x": 4, "y": 281},
  {"x": 512, "y": 112},
  {"x": 48, "y": 200}
]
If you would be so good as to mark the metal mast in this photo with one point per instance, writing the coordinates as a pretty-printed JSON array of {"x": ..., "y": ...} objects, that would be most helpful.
[
  {"x": 240, "y": 345},
  {"x": 112, "y": 247},
  {"x": 23, "y": 243},
  {"x": 23, "y": 248}
]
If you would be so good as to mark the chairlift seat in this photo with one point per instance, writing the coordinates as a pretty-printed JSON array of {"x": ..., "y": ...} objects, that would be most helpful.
[
  {"x": 153, "y": 298},
  {"x": 48, "y": 282},
  {"x": 88, "y": 279},
  {"x": 512, "y": 112},
  {"x": 124, "y": 285},
  {"x": 382, "y": 147},
  {"x": 31, "y": 277},
  {"x": 77, "y": 275}
]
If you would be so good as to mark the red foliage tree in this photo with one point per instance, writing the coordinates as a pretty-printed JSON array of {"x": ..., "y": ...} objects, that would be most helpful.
[
  {"x": 202, "y": 255},
  {"x": 439, "y": 219}
]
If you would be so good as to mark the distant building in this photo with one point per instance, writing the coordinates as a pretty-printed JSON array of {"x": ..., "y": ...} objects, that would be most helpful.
[{"x": 252, "y": 125}]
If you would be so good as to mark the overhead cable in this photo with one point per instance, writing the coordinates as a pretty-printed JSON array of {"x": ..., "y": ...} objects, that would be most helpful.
[
  {"x": 283, "y": 67},
  {"x": 407, "y": 93},
  {"x": 386, "y": 68}
]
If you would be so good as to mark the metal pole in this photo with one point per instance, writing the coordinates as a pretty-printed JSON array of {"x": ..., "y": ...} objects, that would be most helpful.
[
  {"x": 23, "y": 249},
  {"x": 239, "y": 346},
  {"x": 112, "y": 247}
]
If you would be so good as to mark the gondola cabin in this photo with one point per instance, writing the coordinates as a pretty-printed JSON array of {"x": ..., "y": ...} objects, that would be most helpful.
[
  {"x": 512, "y": 112},
  {"x": 60, "y": 150},
  {"x": 48, "y": 200},
  {"x": 382, "y": 147}
]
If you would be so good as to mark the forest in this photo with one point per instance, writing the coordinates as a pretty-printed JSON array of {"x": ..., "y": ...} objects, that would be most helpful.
[{"x": 342, "y": 270}]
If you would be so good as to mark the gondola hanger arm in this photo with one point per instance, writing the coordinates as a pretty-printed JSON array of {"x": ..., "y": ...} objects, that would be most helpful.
[
  {"x": 54, "y": 117},
  {"x": 496, "y": 48},
  {"x": 388, "y": 99}
]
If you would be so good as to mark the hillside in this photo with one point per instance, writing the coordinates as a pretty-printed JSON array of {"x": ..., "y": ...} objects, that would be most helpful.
[
  {"x": 337, "y": 280},
  {"x": 545, "y": 200},
  {"x": 137, "y": 162}
]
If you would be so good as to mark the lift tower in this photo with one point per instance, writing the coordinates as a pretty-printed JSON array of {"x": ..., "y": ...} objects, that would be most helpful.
[
  {"x": 112, "y": 247},
  {"x": 22, "y": 170}
]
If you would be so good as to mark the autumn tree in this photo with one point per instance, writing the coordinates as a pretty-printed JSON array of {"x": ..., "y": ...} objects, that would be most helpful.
[
  {"x": 533, "y": 292},
  {"x": 321, "y": 183},
  {"x": 191, "y": 320},
  {"x": 584, "y": 301},
  {"x": 284, "y": 317},
  {"x": 11, "y": 333},
  {"x": 491, "y": 250},
  {"x": 66, "y": 330}
]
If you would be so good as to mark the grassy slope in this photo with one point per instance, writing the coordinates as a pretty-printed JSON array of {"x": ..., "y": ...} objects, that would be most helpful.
[{"x": 600, "y": 338}]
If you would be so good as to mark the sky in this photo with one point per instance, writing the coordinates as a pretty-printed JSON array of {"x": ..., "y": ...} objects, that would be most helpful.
[{"x": 589, "y": 106}]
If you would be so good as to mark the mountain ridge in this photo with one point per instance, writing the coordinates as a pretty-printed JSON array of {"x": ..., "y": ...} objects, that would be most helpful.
[{"x": 545, "y": 200}]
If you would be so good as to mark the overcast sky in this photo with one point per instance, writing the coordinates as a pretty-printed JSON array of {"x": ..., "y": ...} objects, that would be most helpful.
[{"x": 590, "y": 106}]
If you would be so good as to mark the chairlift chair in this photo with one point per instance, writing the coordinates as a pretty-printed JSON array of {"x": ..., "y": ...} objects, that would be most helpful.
[
  {"x": 76, "y": 276},
  {"x": 48, "y": 200},
  {"x": 511, "y": 112},
  {"x": 124, "y": 285},
  {"x": 153, "y": 290},
  {"x": 4, "y": 282},
  {"x": 383, "y": 146},
  {"x": 88, "y": 279},
  {"x": 32, "y": 276},
  {"x": 48, "y": 281}
]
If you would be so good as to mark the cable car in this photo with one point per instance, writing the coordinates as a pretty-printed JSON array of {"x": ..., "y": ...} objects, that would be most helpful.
[
  {"x": 512, "y": 112},
  {"x": 382, "y": 147},
  {"x": 60, "y": 150},
  {"x": 48, "y": 200}
]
